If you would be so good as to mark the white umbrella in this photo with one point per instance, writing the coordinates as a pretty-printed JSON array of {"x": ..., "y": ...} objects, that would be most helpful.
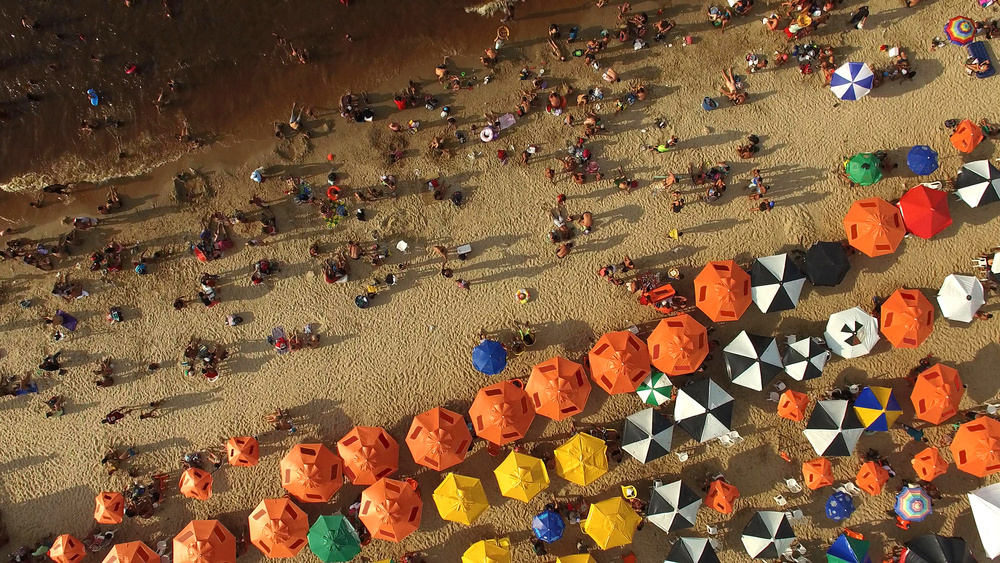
[
  {"x": 960, "y": 297},
  {"x": 985, "y": 503},
  {"x": 851, "y": 333}
]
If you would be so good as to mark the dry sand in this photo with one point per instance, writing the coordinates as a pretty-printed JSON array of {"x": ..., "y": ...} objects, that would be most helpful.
[{"x": 411, "y": 350}]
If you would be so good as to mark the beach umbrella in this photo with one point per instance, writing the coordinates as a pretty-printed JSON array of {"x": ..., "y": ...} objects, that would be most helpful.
[
  {"x": 438, "y": 439},
  {"x": 460, "y": 499},
  {"x": 937, "y": 393},
  {"x": 278, "y": 528},
  {"x": 976, "y": 447},
  {"x": 792, "y": 405},
  {"x": 817, "y": 473},
  {"x": 647, "y": 435},
  {"x": 826, "y": 264},
  {"x": 721, "y": 496},
  {"x": 967, "y": 136},
  {"x": 704, "y": 410},
  {"x": 907, "y": 318},
  {"x": 673, "y": 507},
  {"x": 369, "y": 454},
  {"x": 311, "y": 472},
  {"x": 852, "y": 81},
  {"x": 805, "y": 359},
  {"x": 985, "y": 503},
  {"x": 722, "y": 291},
  {"x": 877, "y": 408},
  {"x": 655, "y": 389},
  {"x": 487, "y": 551},
  {"x": 851, "y": 333},
  {"x": 913, "y": 504},
  {"x": 489, "y": 357},
  {"x": 333, "y": 539},
  {"x": 767, "y": 535},
  {"x": 978, "y": 183},
  {"x": 611, "y": 523},
  {"x": 874, "y": 226},
  {"x": 576, "y": 558},
  {"x": 501, "y": 413},
  {"x": 922, "y": 160},
  {"x": 619, "y": 362},
  {"x": 390, "y": 510},
  {"x": 205, "y": 541},
  {"x": 558, "y": 388},
  {"x": 132, "y": 552},
  {"x": 548, "y": 526},
  {"x": 582, "y": 459},
  {"x": 929, "y": 464},
  {"x": 846, "y": 549},
  {"x": 752, "y": 361},
  {"x": 833, "y": 429},
  {"x": 775, "y": 283},
  {"x": 934, "y": 548},
  {"x": 521, "y": 476},
  {"x": 243, "y": 451},
  {"x": 925, "y": 211},
  {"x": 692, "y": 550},
  {"x": 864, "y": 168},
  {"x": 678, "y": 345},
  {"x": 960, "y": 30},
  {"x": 110, "y": 508},
  {"x": 195, "y": 483},
  {"x": 871, "y": 477},
  {"x": 960, "y": 297},
  {"x": 67, "y": 549},
  {"x": 839, "y": 506}
]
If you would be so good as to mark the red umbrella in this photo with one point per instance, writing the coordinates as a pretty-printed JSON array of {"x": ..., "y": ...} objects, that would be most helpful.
[{"x": 925, "y": 211}]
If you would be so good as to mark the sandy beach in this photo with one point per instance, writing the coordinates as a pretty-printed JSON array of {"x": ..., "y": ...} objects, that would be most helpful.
[{"x": 410, "y": 350}]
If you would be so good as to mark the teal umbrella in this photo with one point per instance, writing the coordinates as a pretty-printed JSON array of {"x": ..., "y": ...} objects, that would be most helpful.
[{"x": 333, "y": 539}]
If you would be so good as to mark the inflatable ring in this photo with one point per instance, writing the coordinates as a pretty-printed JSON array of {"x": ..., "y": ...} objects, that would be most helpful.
[
  {"x": 486, "y": 135},
  {"x": 333, "y": 192},
  {"x": 522, "y": 296}
]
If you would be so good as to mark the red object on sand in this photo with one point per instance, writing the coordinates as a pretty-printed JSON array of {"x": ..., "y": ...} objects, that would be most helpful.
[{"x": 925, "y": 211}]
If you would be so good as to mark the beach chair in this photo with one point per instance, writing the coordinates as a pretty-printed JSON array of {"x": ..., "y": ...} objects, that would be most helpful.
[
  {"x": 712, "y": 530},
  {"x": 716, "y": 544},
  {"x": 780, "y": 386},
  {"x": 463, "y": 251},
  {"x": 977, "y": 50},
  {"x": 780, "y": 500},
  {"x": 735, "y": 437},
  {"x": 774, "y": 397},
  {"x": 727, "y": 440},
  {"x": 852, "y": 489},
  {"x": 793, "y": 485},
  {"x": 682, "y": 456}
]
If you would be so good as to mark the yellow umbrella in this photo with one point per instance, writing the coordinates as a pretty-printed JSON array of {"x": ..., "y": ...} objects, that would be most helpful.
[
  {"x": 488, "y": 551},
  {"x": 611, "y": 523},
  {"x": 582, "y": 459},
  {"x": 578, "y": 558},
  {"x": 460, "y": 499},
  {"x": 521, "y": 477}
]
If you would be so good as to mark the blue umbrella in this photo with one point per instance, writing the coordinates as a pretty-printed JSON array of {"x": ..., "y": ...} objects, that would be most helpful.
[
  {"x": 839, "y": 506},
  {"x": 852, "y": 81},
  {"x": 489, "y": 357},
  {"x": 846, "y": 549},
  {"x": 548, "y": 526},
  {"x": 922, "y": 160}
]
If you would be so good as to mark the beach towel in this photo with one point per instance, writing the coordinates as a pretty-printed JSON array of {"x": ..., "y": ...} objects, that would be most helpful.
[
  {"x": 31, "y": 388},
  {"x": 978, "y": 51},
  {"x": 68, "y": 321},
  {"x": 280, "y": 340},
  {"x": 507, "y": 120}
]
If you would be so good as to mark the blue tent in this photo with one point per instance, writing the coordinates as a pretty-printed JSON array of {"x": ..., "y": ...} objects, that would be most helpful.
[
  {"x": 489, "y": 357},
  {"x": 548, "y": 526},
  {"x": 846, "y": 549},
  {"x": 839, "y": 506},
  {"x": 922, "y": 160}
]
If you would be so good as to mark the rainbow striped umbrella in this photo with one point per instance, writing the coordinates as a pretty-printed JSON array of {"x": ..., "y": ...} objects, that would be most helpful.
[
  {"x": 960, "y": 30},
  {"x": 913, "y": 504}
]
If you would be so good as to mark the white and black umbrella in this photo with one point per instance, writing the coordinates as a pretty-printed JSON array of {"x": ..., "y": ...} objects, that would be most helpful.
[
  {"x": 752, "y": 360},
  {"x": 768, "y": 535},
  {"x": 673, "y": 507},
  {"x": 978, "y": 183},
  {"x": 805, "y": 359},
  {"x": 960, "y": 297},
  {"x": 704, "y": 410},
  {"x": 833, "y": 429},
  {"x": 692, "y": 550},
  {"x": 851, "y": 333},
  {"x": 647, "y": 435},
  {"x": 775, "y": 283}
]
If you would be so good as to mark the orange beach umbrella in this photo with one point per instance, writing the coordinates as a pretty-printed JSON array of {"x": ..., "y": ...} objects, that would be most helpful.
[
  {"x": 278, "y": 528},
  {"x": 976, "y": 447},
  {"x": 619, "y": 362},
  {"x": 871, "y": 477},
  {"x": 721, "y": 496},
  {"x": 132, "y": 552},
  {"x": 311, "y": 472},
  {"x": 678, "y": 345},
  {"x": 243, "y": 451},
  {"x": 792, "y": 405},
  {"x": 558, "y": 388},
  {"x": 438, "y": 438},
  {"x": 929, "y": 464},
  {"x": 937, "y": 393},
  {"x": 967, "y": 136},
  {"x": 501, "y": 413},
  {"x": 196, "y": 483},
  {"x": 369, "y": 454},
  {"x": 817, "y": 473},
  {"x": 390, "y": 510},
  {"x": 907, "y": 318},
  {"x": 204, "y": 541},
  {"x": 874, "y": 226},
  {"x": 722, "y": 291},
  {"x": 110, "y": 508},
  {"x": 67, "y": 549}
]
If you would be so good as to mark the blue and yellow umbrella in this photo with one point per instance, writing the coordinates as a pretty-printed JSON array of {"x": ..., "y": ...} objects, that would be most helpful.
[
  {"x": 877, "y": 408},
  {"x": 913, "y": 504}
]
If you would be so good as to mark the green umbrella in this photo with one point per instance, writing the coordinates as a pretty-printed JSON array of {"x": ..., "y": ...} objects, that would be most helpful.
[
  {"x": 333, "y": 539},
  {"x": 846, "y": 549},
  {"x": 864, "y": 169},
  {"x": 655, "y": 389}
]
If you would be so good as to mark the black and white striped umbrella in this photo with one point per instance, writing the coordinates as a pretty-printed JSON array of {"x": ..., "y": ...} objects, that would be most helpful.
[
  {"x": 805, "y": 359},
  {"x": 978, "y": 183},
  {"x": 833, "y": 428},
  {"x": 775, "y": 283},
  {"x": 673, "y": 507},
  {"x": 704, "y": 410},
  {"x": 752, "y": 360},
  {"x": 692, "y": 550},
  {"x": 851, "y": 333},
  {"x": 647, "y": 435},
  {"x": 768, "y": 535}
]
